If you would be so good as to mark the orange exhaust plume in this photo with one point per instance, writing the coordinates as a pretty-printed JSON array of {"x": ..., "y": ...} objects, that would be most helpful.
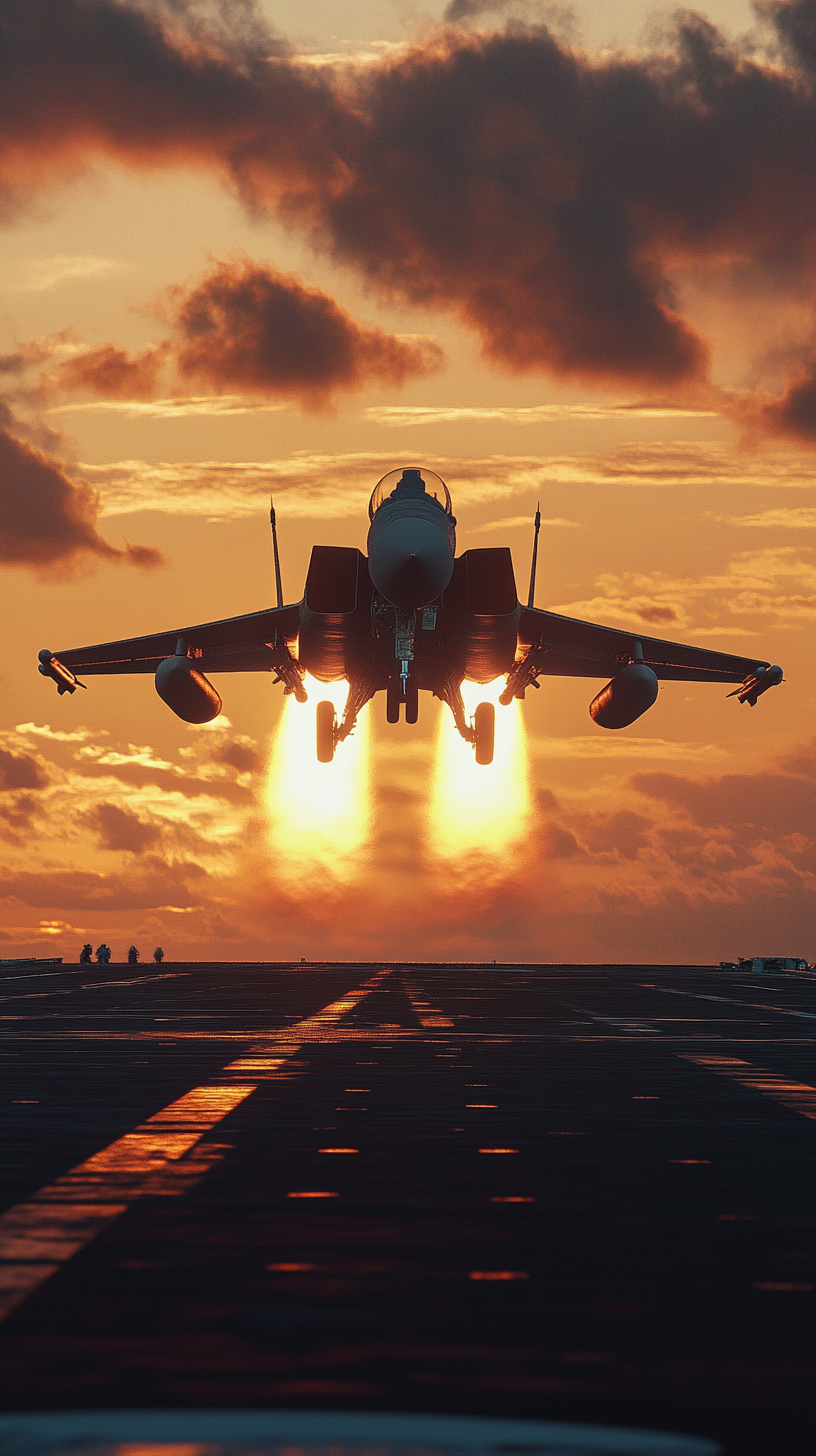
[
  {"x": 479, "y": 813},
  {"x": 319, "y": 813}
]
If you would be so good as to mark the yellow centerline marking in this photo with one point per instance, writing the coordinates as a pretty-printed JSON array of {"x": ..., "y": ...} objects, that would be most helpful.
[{"x": 41, "y": 1234}]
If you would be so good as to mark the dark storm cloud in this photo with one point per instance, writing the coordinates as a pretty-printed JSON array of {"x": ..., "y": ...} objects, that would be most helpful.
[
  {"x": 802, "y": 762},
  {"x": 20, "y": 815},
  {"x": 542, "y": 195},
  {"x": 246, "y": 326},
  {"x": 32, "y": 430},
  {"x": 767, "y": 804},
  {"x": 794, "y": 415},
  {"x": 492, "y": 178},
  {"x": 795, "y": 24},
  {"x": 790, "y": 415},
  {"x": 22, "y": 771},
  {"x": 240, "y": 753},
  {"x": 119, "y": 829},
  {"x": 22, "y": 358},
  {"x": 156, "y": 883},
  {"x": 158, "y": 83},
  {"x": 48, "y": 520},
  {"x": 458, "y": 12}
]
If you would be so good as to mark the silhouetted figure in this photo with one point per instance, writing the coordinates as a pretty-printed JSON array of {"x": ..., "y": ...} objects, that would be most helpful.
[
  {"x": 85, "y": 954},
  {"x": 158, "y": 955},
  {"x": 133, "y": 956},
  {"x": 103, "y": 954}
]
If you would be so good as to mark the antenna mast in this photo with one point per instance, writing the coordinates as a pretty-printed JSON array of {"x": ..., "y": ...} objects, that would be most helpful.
[
  {"x": 273, "y": 524},
  {"x": 534, "y": 562}
]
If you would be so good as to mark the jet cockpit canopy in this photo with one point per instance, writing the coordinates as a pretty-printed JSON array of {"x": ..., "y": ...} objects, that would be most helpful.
[{"x": 402, "y": 484}]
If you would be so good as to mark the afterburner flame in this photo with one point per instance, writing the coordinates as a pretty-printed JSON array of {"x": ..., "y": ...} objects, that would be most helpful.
[
  {"x": 319, "y": 813},
  {"x": 480, "y": 810}
]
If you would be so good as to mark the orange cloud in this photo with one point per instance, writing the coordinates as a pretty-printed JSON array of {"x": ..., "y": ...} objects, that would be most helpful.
[
  {"x": 245, "y": 326},
  {"x": 21, "y": 771},
  {"x": 790, "y": 415},
  {"x": 120, "y": 829},
  {"x": 544, "y": 196},
  {"x": 48, "y": 520},
  {"x": 774, "y": 582},
  {"x": 110, "y": 372}
]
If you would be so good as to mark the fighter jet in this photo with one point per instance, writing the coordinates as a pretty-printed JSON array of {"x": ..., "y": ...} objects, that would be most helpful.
[{"x": 410, "y": 617}]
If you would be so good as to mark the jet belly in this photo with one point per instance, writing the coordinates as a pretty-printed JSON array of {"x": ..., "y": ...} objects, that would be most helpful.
[{"x": 410, "y": 552}]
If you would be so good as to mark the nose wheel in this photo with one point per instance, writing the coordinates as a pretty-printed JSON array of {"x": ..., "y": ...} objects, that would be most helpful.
[
  {"x": 484, "y": 731},
  {"x": 395, "y": 698}
]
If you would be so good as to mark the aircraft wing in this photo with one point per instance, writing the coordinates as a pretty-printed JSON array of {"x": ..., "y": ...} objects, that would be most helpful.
[
  {"x": 236, "y": 644},
  {"x": 567, "y": 647}
]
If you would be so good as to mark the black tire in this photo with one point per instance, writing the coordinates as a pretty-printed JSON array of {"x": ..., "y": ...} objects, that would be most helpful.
[
  {"x": 484, "y": 722},
  {"x": 324, "y": 721},
  {"x": 393, "y": 700},
  {"x": 411, "y": 701}
]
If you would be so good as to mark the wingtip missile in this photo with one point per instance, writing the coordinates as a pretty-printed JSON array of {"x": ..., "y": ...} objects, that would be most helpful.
[
  {"x": 50, "y": 666},
  {"x": 757, "y": 684}
]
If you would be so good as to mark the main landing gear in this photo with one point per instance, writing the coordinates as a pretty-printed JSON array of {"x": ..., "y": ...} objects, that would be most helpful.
[
  {"x": 329, "y": 731},
  {"x": 326, "y": 735},
  {"x": 480, "y": 734},
  {"x": 484, "y": 732}
]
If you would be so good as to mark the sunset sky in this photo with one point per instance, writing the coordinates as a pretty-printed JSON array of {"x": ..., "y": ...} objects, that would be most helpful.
[{"x": 254, "y": 248}]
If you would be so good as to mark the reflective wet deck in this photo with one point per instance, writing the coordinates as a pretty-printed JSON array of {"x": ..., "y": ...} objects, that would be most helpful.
[{"x": 575, "y": 1193}]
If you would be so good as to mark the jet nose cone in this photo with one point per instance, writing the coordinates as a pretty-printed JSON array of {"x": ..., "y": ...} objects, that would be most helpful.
[
  {"x": 413, "y": 583},
  {"x": 410, "y": 563}
]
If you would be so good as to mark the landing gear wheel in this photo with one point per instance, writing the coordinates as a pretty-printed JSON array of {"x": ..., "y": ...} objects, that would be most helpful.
[
  {"x": 325, "y": 721},
  {"x": 393, "y": 699},
  {"x": 484, "y": 724},
  {"x": 411, "y": 701}
]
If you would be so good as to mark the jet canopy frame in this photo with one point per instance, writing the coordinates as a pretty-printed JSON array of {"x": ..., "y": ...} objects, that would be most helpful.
[{"x": 434, "y": 488}]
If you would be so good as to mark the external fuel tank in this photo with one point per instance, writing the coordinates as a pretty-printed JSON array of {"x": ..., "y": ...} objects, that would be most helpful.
[
  {"x": 627, "y": 697},
  {"x": 188, "y": 692}
]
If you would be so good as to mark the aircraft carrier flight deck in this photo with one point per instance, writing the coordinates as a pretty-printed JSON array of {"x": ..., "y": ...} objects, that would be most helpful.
[{"x": 578, "y": 1193}]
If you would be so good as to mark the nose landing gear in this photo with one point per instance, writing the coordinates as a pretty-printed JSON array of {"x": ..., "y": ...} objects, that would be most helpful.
[{"x": 401, "y": 691}]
